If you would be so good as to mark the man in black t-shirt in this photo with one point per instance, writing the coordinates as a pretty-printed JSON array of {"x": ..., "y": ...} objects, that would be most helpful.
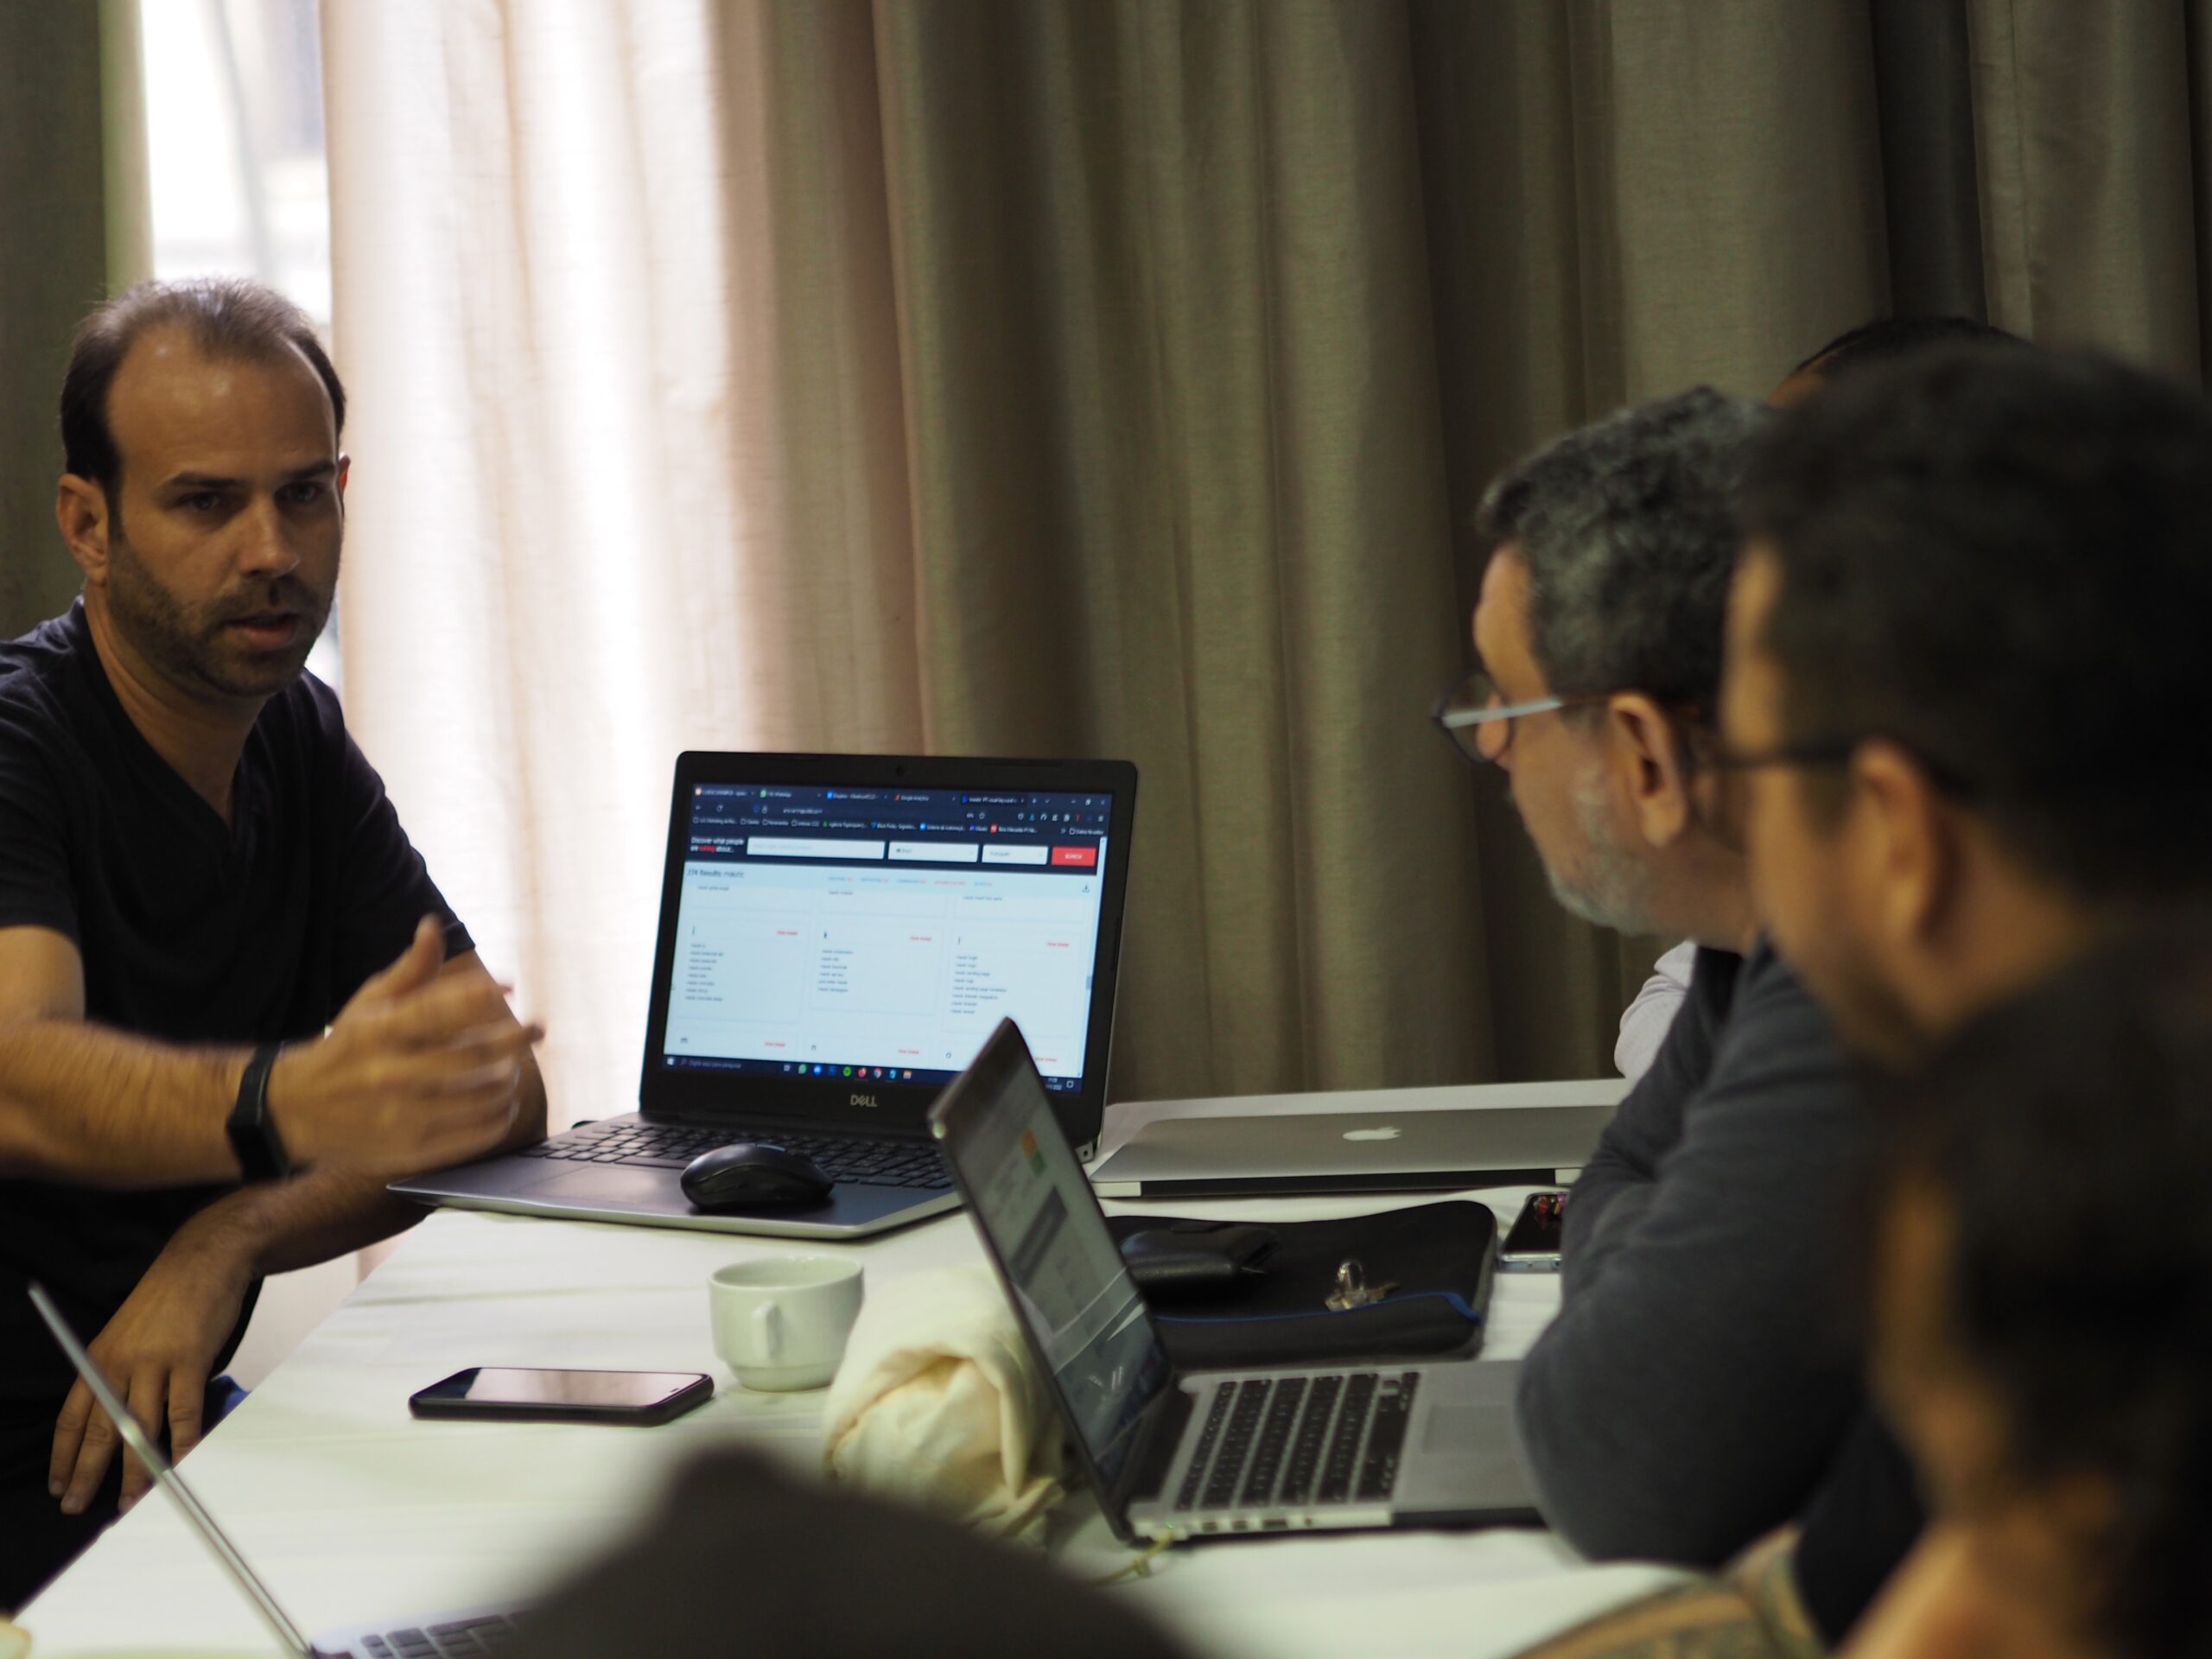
[{"x": 233, "y": 1004}]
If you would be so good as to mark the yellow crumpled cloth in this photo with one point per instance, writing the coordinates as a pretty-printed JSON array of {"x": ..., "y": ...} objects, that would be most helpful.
[{"x": 938, "y": 1403}]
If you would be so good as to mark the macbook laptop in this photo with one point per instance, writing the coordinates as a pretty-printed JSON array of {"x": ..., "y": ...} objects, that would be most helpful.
[
  {"x": 448, "y": 1636},
  {"x": 1175, "y": 1456},
  {"x": 1388, "y": 1148},
  {"x": 838, "y": 935}
]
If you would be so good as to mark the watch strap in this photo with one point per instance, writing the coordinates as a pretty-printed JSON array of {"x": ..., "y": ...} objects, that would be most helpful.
[{"x": 254, "y": 1134}]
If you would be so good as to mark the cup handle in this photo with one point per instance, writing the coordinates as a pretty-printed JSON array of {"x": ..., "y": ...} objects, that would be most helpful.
[{"x": 768, "y": 1331}]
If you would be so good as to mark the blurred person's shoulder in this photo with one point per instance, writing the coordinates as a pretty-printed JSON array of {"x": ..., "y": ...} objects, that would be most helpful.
[{"x": 742, "y": 1559}]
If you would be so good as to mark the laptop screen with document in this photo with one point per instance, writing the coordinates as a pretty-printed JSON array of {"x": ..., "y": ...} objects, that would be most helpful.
[
  {"x": 1043, "y": 1231},
  {"x": 881, "y": 933},
  {"x": 840, "y": 933}
]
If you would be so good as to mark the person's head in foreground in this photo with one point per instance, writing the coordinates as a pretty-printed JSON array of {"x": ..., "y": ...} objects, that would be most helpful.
[
  {"x": 202, "y": 494},
  {"x": 1884, "y": 340},
  {"x": 2042, "y": 1300},
  {"x": 1599, "y": 635},
  {"x": 1967, "y": 699}
]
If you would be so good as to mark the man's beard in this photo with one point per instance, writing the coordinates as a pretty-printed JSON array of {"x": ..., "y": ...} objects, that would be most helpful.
[
  {"x": 1612, "y": 889},
  {"x": 193, "y": 648}
]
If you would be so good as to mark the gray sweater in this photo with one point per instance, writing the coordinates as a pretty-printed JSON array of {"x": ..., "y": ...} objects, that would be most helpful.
[{"x": 1702, "y": 1369}]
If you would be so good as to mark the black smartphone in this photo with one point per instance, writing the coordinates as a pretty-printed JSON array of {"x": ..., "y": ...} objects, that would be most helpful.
[
  {"x": 1532, "y": 1245},
  {"x": 532, "y": 1396}
]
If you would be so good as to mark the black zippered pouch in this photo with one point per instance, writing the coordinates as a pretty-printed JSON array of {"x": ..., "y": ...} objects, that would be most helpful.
[{"x": 1433, "y": 1263}]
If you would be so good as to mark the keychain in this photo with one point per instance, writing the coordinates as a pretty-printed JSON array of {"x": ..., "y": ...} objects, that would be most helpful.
[{"x": 1352, "y": 1289}]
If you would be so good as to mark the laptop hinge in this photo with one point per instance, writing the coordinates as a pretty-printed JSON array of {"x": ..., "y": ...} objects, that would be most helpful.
[
  {"x": 1325, "y": 1182},
  {"x": 1159, "y": 1433},
  {"x": 790, "y": 1122}
]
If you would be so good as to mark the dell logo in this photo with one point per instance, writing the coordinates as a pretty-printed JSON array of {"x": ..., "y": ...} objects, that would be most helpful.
[
  {"x": 863, "y": 1100},
  {"x": 1371, "y": 1134}
]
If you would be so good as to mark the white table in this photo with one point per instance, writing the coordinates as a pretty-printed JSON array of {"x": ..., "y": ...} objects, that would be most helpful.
[{"x": 354, "y": 1511}]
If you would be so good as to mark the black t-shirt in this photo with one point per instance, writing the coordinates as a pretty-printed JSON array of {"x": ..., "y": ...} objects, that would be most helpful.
[
  {"x": 190, "y": 930},
  {"x": 1861, "y": 1524}
]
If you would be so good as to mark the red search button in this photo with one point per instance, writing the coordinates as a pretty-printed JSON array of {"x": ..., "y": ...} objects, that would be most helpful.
[{"x": 1085, "y": 858}]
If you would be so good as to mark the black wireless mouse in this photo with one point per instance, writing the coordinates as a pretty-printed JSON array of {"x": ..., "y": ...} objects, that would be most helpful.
[{"x": 748, "y": 1176}]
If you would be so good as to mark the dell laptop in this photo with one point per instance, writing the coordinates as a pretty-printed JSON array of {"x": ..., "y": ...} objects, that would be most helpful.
[
  {"x": 447, "y": 1636},
  {"x": 1213, "y": 1455},
  {"x": 1398, "y": 1145},
  {"x": 838, "y": 936}
]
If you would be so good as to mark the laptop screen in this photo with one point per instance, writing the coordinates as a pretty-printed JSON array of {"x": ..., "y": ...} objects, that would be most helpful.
[
  {"x": 879, "y": 934},
  {"x": 1045, "y": 1229}
]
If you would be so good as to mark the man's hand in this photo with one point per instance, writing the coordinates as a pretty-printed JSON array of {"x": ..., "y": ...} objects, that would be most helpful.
[
  {"x": 156, "y": 1353},
  {"x": 417, "y": 1072}
]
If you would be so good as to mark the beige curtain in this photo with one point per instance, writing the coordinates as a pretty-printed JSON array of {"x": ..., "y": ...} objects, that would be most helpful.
[
  {"x": 1116, "y": 377},
  {"x": 73, "y": 226}
]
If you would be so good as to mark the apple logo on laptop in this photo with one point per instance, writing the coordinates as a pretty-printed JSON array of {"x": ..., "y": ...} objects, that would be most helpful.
[{"x": 1385, "y": 1133}]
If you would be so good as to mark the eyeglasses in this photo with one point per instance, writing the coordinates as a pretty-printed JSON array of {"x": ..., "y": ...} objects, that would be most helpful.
[
  {"x": 1835, "y": 753},
  {"x": 1839, "y": 751},
  {"x": 1476, "y": 720}
]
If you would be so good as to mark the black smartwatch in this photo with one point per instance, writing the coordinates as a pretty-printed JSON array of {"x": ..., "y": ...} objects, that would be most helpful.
[{"x": 254, "y": 1134}]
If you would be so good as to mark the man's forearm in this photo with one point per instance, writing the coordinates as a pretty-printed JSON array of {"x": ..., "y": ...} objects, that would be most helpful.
[
  {"x": 295, "y": 1224},
  {"x": 282, "y": 1225},
  {"x": 95, "y": 1107}
]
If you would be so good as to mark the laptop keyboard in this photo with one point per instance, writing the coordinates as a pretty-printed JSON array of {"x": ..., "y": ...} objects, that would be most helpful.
[
  {"x": 462, "y": 1639},
  {"x": 669, "y": 1146},
  {"x": 1295, "y": 1442}
]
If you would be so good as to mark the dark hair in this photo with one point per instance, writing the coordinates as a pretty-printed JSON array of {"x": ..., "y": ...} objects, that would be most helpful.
[
  {"x": 228, "y": 316},
  {"x": 1628, "y": 528},
  {"x": 1887, "y": 338},
  {"x": 2067, "y": 1136},
  {"x": 1999, "y": 560}
]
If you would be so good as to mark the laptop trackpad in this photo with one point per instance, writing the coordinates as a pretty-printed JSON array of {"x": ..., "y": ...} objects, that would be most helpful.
[
  {"x": 1459, "y": 1428},
  {"x": 598, "y": 1184}
]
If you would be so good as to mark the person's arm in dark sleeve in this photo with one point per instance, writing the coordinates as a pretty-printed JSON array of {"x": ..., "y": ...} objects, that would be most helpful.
[
  {"x": 1615, "y": 1185},
  {"x": 1686, "y": 1399}
]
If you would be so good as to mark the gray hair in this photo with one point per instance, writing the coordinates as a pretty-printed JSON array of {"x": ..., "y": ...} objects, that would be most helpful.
[{"x": 1629, "y": 530}]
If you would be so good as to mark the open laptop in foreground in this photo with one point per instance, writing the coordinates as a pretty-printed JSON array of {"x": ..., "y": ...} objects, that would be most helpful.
[
  {"x": 1185, "y": 1456},
  {"x": 1404, "y": 1140},
  {"x": 838, "y": 935},
  {"x": 449, "y": 1636}
]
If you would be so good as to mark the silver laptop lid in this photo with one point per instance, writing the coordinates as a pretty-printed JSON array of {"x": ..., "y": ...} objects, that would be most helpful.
[
  {"x": 141, "y": 1446},
  {"x": 1376, "y": 1149},
  {"x": 1045, "y": 1235}
]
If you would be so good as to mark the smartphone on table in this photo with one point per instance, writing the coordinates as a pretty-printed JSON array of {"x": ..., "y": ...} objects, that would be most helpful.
[
  {"x": 1532, "y": 1244},
  {"x": 531, "y": 1395}
]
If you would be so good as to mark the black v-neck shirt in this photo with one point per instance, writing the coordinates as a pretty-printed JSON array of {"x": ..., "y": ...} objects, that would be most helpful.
[{"x": 191, "y": 930}]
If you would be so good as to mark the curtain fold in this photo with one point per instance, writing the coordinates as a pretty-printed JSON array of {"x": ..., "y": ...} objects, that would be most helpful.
[
  {"x": 1118, "y": 377},
  {"x": 74, "y": 226}
]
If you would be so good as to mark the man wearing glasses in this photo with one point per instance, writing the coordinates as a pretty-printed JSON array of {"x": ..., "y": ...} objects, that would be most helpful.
[
  {"x": 1693, "y": 1386},
  {"x": 1968, "y": 705}
]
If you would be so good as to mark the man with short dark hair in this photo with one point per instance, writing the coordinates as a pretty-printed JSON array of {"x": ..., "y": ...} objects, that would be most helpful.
[
  {"x": 1966, "y": 696},
  {"x": 1644, "y": 1022},
  {"x": 232, "y": 1005},
  {"x": 1687, "y": 1395}
]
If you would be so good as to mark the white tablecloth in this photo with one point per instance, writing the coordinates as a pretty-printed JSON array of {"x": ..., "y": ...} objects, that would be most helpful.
[{"x": 354, "y": 1511}]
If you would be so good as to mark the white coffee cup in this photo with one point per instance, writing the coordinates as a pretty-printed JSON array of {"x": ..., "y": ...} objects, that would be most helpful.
[{"x": 780, "y": 1322}]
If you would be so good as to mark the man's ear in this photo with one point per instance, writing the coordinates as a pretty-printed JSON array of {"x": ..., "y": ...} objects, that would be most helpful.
[
  {"x": 1911, "y": 842},
  {"x": 1651, "y": 764},
  {"x": 80, "y": 508},
  {"x": 345, "y": 470}
]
